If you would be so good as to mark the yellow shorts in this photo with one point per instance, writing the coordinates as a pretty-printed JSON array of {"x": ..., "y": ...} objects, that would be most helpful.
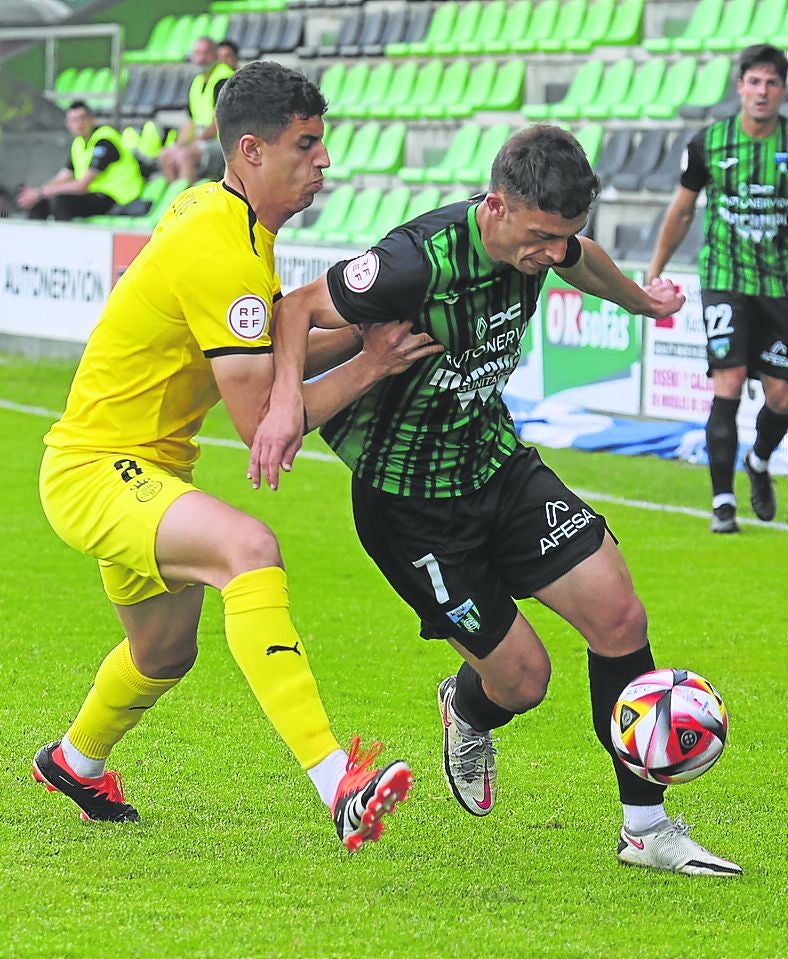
[{"x": 110, "y": 507}]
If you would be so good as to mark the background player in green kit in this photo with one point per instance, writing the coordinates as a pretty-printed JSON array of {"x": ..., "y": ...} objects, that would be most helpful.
[
  {"x": 459, "y": 517},
  {"x": 742, "y": 163}
]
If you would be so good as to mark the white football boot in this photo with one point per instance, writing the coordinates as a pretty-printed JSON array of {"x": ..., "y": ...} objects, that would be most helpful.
[
  {"x": 468, "y": 757},
  {"x": 668, "y": 846}
]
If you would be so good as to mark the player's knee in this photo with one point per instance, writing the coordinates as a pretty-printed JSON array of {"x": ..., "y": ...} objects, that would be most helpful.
[
  {"x": 626, "y": 630},
  {"x": 256, "y": 547},
  {"x": 169, "y": 662},
  {"x": 525, "y": 692}
]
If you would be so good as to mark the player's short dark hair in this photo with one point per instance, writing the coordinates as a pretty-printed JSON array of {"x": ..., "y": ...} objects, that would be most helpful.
[
  {"x": 80, "y": 105},
  {"x": 763, "y": 53},
  {"x": 545, "y": 167},
  {"x": 263, "y": 98},
  {"x": 229, "y": 43}
]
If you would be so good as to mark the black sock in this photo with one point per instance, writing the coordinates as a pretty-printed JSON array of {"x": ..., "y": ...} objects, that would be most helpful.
[
  {"x": 472, "y": 704},
  {"x": 770, "y": 428},
  {"x": 721, "y": 443},
  {"x": 608, "y": 676}
]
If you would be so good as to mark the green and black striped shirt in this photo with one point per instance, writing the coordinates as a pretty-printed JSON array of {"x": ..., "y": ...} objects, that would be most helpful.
[
  {"x": 441, "y": 428},
  {"x": 746, "y": 227}
]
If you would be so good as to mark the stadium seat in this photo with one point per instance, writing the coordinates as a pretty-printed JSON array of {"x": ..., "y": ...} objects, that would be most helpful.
[
  {"x": 424, "y": 90},
  {"x": 514, "y": 29},
  {"x": 390, "y": 213},
  {"x": 540, "y": 26},
  {"x": 359, "y": 153},
  {"x": 508, "y": 87},
  {"x": 701, "y": 25},
  {"x": 394, "y": 31},
  {"x": 256, "y": 26},
  {"x": 438, "y": 31},
  {"x": 626, "y": 27},
  {"x": 179, "y": 41},
  {"x": 332, "y": 81},
  {"x": 569, "y": 24},
  {"x": 581, "y": 92},
  {"x": 347, "y": 34},
  {"x": 466, "y": 26},
  {"x": 488, "y": 29},
  {"x": 399, "y": 93},
  {"x": 154, "y": 48},
  {"x": 643, "y": 90},
  {"x": 372, "y": 26},
  {"x": 643, "y": 159},
  {"x": 360, "y": 218},
  {"x": 455, "y": 195},
  {"x": 478, "y": 170},
  {"x": 615, "y": 83},
  {"x": 236, "y": 28},
  {"x": 665, "y": 177},
  {"x": 217, "y": 29},
  {"x": 451, "y": 91},
  {"x": 148, "y": 100},
  {"x": 159, "y": 207},
  {"x": 332, "y": 214},
  {"x": 637, "y": 242},
  {"x": 596, "y": 25},
  {"x": 768, "y": 19},
  {"x": 416, "y": 29},
  {"x": 422, "y": 202},
  {"x": 478, "y": 90},
  {"x": 614, "y": 154},
  {"x": 673, "y": 92},
  {"x": 353, "y": 89},
  {"x": 735, "y": 20},
  {"x": 688, "y": 250},
  {"x": 589, "y": 136},
  {"x": 376, "y": 92},
  {"x": 64, "y": 84},
  {"x": 712, "y": 81},
  {"x": 781, "y": 40},
  {"x": 389, "y": 151},
  {"x": 458, "y": 155}
]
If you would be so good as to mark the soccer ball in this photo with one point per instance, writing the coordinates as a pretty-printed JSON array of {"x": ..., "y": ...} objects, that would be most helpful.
[{"x": 669, "y": 726}]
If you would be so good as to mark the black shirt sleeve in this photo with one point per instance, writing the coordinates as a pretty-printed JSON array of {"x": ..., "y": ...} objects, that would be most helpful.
[
  {"x": 573, "y": 251},
  {"x": 388, "y": 282},
  {"x": 104, "y": 153},
  {"x": 694, "y": 173}
]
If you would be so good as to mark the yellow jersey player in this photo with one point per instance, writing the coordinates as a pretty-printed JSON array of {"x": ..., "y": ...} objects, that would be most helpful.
[{"x": 187, "y": 325}]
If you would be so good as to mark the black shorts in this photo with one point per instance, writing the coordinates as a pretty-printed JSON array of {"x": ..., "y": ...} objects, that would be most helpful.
[
  {"x": 749, "y": 331},
  {"x": 459, "y": 561}
]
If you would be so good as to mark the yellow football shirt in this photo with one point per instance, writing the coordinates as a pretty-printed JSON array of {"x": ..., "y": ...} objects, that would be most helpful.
[{"x": 203, "y": 286}]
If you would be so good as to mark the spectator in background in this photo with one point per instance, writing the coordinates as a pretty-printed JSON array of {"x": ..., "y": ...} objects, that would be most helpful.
[
  {"x": 99, "y": 173},
  {"x": 196, "y": 151},
  {"x": 741, "y": 163},
  {"x": 227, "y": 53}
]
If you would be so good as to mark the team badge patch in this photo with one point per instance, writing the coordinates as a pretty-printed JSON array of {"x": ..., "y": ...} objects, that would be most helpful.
[
  {"x": 362, "y": 272},
  {"x": 247, "y": 317}
]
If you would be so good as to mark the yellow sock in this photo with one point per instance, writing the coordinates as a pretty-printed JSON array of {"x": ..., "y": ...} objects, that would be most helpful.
[
  {"x": 117, "y": 701},
  {"x": 263, "y": 640}
]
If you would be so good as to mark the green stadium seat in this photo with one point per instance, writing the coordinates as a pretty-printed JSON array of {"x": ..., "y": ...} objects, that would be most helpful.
[
  {"x": 455, "y": 195},
  {"x": 83, "y": 82},
  {"x": 589, "y": 136},
  {"x": 766, "y": 21},
  {"x": 491, "y": 141},
  {"x": 615, "y": 83},
  {"x": 64, "y": 84},
  {"x": 488, "y": 30},
  {"x": 507, "y": 90},
  {"x": 337, "y": 142},
  {"x": 781, "y": 40},
  {"x": 643, "y": 90},
  {"x": 201, "y": 27},
  {"x": 514, "y": 29},
  {"x": 360, "y": 218},
  {"x": 422, "y": 202},
  {"x": 359, "y": 153},
  {"x": 451, "y": 91},
  {"x": 331, "y": 216},
  {"x": 596, "y": 25},
  {"x": 353, "y": 89},
  {"x": 540, "y": 27},
  {"x": 581, "y": 92},
  {"x": 711, "y": 83},
  {"x": 626, "y": 27},
  {"x": 701, "y": 25},
  {"x": 390, "y": 213},
  {"x": 425, "y": 89},
  {"x": 465, "y": 28},
  {"x": 154, "y": 48},
  {"x": 439, "y": 31},
  {"x": 332, "y": 81},
  {"x": 735, "y": 20},
  {"x": 569, "y": 24},
  {"x": 219, "y": 25},
  {"x": 400, "y": 91},
  {"x": 160, "y": 206},
  {"x": 417, "y": 23},
  {"x": 389, "y": 152},
  {"x": 179, "y": 42},
  {"x": 477, "y": 90},
  {"x": 674, "y": 91},
  {"x": 458, "y": 155},
  {"x": 375, "y": 93}
]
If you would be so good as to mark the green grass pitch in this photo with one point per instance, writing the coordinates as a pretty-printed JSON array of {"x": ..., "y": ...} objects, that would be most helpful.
[{"x": 237, "y": 858}]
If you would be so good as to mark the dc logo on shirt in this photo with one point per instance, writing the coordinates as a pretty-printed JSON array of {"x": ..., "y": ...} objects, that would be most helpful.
[
  {"x": 781, "y": 162},
  {"x": 247, "y": 317}
]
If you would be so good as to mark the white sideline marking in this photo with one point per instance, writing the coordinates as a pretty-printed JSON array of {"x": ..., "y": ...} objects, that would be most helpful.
[{"x": 330, "y": 458}]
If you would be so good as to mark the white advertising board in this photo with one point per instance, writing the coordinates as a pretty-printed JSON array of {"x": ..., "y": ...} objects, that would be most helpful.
[{"x": 54, "y": 279}]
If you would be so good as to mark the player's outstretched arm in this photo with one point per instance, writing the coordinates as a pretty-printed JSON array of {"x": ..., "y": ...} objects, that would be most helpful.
[
  {"x": 678, "y": 218},
  {"x": 597, "y": 274}
]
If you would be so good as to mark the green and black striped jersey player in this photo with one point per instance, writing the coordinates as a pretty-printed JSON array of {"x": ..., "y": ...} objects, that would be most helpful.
[
  {"x": 459, "y": 517},
  {"x": 742, "y": 164}
]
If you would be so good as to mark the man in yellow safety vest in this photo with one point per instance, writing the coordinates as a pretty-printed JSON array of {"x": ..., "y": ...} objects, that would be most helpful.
[{"x": 99, "y": 173}]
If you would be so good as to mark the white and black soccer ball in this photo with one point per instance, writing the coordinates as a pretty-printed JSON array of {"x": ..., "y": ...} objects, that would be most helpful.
[{"x": 669, "y": 726}]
